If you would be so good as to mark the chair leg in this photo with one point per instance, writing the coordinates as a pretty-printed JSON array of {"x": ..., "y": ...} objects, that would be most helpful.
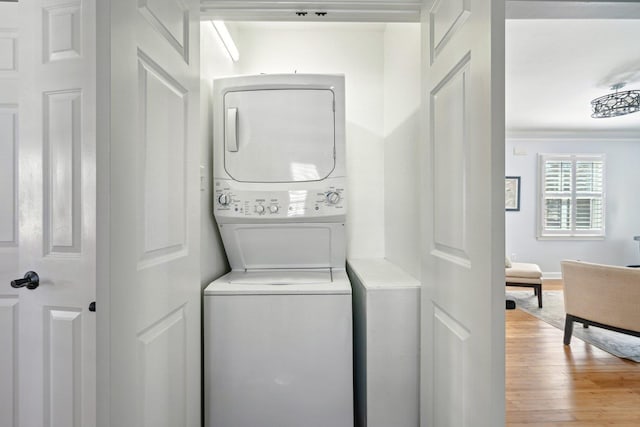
[
  {"x": 568, "y": 329},
  {"x": 539, "y": 293}
]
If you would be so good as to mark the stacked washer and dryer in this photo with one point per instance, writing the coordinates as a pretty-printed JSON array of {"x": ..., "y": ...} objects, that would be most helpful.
[{"x": 278, "y": 327}]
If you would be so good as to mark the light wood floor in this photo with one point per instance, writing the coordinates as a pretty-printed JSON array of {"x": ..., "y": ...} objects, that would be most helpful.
[{"x": 549, "y": 384}]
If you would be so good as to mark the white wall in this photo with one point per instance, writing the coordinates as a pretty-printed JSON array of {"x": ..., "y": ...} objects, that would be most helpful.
[
  {"x": 214, "y": 62},
  {"x": 357, "y": 51},
  {"x": 401, "y": 137},
  {"x": 622, "y": 211}
]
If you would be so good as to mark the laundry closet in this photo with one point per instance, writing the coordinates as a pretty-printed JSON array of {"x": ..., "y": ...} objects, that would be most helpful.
[
  {"x": 381, "y": 67},
  {"x": 381, "y": 64}
]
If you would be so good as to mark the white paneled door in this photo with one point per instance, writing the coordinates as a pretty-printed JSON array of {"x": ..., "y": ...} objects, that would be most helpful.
[
  {"x": 47, "y": 213},
  {"x": 462, "y": 304},
  {"x": 149, "y": 132}
]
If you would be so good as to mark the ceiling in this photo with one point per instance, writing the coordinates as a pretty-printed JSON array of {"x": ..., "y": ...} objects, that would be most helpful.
[{"x": 554, "y": 68}]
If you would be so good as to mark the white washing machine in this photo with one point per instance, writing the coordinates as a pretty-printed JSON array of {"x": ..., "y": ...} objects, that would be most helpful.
[{"x": 278, "y": 327}]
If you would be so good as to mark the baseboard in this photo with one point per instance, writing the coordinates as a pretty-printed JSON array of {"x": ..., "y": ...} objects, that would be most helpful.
[{"x": 553, "y": 275}]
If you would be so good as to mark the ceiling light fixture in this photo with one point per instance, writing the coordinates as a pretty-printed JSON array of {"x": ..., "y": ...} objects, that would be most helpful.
[
  {"x": 225, "y": 36},
  {"x": 616, "y": 104}
]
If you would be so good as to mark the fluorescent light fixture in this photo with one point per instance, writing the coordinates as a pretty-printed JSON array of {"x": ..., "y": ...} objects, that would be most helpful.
[{"x": 225, "y": 36}]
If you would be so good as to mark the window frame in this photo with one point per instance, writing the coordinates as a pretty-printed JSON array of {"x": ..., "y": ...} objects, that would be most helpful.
[{"x": 573, "y": 234}]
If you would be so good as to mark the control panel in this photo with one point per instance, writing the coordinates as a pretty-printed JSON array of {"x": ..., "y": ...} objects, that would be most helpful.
[{"x": 285, "y": 204}]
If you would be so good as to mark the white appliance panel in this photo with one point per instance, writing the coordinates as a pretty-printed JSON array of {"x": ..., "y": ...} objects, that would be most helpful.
[
  {"x": 281, "y": 246},
  {"x": 279, "y": 135},
  {"x": 323, "y": 201},
  {"x": 386, "y": 316},
  {"x": 275, "y": 363}
]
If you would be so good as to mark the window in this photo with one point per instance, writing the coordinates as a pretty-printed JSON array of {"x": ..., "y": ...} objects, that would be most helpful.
[{"x": 572, "y": 197}]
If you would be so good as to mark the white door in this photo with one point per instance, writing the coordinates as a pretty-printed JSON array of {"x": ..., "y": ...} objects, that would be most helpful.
[
  {"x": 462, "y": 356},
  {"x": 149, "y": 356},
  {"x": 47, "y": 218}
]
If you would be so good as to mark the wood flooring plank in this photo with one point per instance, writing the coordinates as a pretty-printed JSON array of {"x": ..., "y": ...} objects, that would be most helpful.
[{"x": 549, "y": 384}]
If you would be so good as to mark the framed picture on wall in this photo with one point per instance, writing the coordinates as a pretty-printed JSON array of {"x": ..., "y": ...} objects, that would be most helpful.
[{"x": 512, "y": 193}]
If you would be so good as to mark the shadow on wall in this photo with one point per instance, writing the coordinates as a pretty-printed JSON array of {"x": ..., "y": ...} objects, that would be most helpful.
[
  {"x": 402, "y": 194},
  {"x": 365, "y": 184},
  {"x": 213, "y": 261}
]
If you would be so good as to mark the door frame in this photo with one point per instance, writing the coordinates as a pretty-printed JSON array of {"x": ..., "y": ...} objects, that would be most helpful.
[
  {"x": 103, "y": 225},
  {"x": 384, "y": 13}
]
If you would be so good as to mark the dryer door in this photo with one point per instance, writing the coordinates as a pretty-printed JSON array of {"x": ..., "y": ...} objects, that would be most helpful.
[{"x": 279, "y": 135}]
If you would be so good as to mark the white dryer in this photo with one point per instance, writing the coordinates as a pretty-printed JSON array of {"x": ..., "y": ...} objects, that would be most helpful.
[{"x": 278, "y": 327}]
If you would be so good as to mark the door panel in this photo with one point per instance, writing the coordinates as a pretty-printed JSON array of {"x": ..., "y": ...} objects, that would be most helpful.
[
  {"x": 63, "y": 375},
  {"x": 164, "y": 402},
  {"x": 462, "y": 358},
  {"x": 445, "y": 19},
  {"x": 8, "y": 177},
  {"x": 150, "y": 267},
  {"x": 171, "y": 20},
  {"x": 450, "y": 343},
  {"x": 9, "y": 333},
  {"x": 9, "y": 43},
  {"x": 62, "y": 30},
  {"x": 450, "y": 150},
  {"x": 62, "y": 142},
  {"x": 163, "y": 110}
]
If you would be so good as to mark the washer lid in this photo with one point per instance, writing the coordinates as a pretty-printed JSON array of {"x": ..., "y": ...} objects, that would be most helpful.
[
  {"x": 279, "y": 135},
  {"x": 337, "y": 285}
]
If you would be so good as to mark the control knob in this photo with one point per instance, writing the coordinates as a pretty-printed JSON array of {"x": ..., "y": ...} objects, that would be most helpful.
[
  {"x": 333, "y": 197},
  {"x": 224, "y": 199},
  {"x": 260, "y": 209},
  {"x": 273, "y": 209}
]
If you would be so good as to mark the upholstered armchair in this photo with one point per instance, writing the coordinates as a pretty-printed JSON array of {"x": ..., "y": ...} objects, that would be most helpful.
[{"x": 599, "y": 295}]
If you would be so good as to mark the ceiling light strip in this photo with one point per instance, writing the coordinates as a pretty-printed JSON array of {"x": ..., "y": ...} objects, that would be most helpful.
[{"x": 227, "y": 40}]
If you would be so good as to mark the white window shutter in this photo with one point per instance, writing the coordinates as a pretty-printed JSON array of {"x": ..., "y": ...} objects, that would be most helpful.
[{"x": 572, "y": 196}]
